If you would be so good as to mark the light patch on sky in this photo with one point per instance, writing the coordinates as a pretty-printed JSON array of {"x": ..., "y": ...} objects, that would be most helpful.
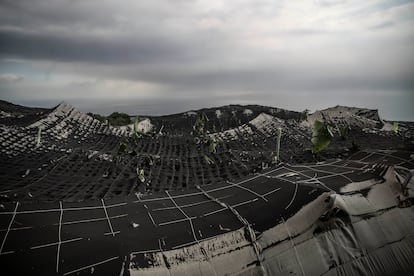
[{"x": 160, "y": 56}]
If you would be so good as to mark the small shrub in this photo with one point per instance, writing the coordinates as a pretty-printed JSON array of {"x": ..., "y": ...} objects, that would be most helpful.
[
  {"x": 278, "y": 137},
  {"x": 141, "y": 174},
  {"x": 198, "y": 128},
  {"x": 39, "y": 134},
  {"x": 212, "y": 144},
  {"x": 321, "y": 136},
  {"x": 119, "y": 119},
  {"x": 395, "y": 127},
  {"x": 135, "y": 130},
  {"x": 97, "y": 117},
  {"x": 304, "y": 115}
]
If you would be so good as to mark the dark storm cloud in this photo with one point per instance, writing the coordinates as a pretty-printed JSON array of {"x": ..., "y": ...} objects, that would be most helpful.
[
  {"x": 201, "y": 53},
  {"x": 100, "y": 32},
  {"x": 273, "y": 80},
  {"x": 91, "y": 49}
]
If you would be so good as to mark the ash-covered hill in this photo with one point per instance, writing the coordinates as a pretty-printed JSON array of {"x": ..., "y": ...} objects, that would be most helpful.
[
  {"x": 220, "y": 118},
  {"x": 62, "y": 153}
]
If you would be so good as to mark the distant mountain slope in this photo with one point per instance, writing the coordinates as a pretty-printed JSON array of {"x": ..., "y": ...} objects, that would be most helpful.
[
  {"x": 19, "y": 109},
  {"x": 12, "y": 114}
]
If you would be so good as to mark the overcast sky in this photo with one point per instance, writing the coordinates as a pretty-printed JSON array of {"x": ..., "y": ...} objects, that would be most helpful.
[{"x": 166, "y": 56}]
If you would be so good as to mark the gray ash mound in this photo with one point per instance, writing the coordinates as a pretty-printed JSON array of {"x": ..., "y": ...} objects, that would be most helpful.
[{"x": 78, "y": 157}]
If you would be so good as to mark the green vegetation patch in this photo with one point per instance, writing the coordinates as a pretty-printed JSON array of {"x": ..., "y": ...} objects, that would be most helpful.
[
  {"x": 115, "y": 119},
  {"x": 321, "y": 136}
]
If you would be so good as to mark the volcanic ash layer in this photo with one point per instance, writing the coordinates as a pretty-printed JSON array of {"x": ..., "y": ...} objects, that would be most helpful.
[{"x": 348, "y": 233}]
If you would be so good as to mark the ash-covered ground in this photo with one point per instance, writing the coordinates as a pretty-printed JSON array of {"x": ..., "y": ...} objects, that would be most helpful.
[{"x": 79, "y": 196}]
